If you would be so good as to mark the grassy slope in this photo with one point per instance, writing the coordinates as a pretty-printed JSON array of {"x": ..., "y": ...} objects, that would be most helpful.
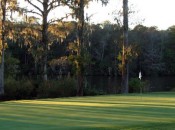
[{"x": 130, "y": 112}]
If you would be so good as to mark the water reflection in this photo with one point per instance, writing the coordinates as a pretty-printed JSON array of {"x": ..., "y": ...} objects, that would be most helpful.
[
  {"x": 112, "y": 85},
  {"x": 157, "y": 84}
]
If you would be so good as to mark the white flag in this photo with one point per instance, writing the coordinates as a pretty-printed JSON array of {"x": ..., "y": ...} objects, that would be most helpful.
[{"x": 140, "y": 75}]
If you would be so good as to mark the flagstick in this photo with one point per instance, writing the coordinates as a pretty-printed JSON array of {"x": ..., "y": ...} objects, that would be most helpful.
[{"x": 140, "y": 77}]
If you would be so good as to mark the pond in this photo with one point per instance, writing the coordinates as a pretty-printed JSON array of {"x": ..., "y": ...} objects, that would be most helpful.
[
  {"x": 157, "y": 84},
  {"x": 111, "y": 85}
]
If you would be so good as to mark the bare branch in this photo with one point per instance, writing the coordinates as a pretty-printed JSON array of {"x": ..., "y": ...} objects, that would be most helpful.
[
  {"x": 71, "y": 6},
  {"x": 52, "y": 6},
  {"x": 36, "y": 7},
  {"x": 53, "y": 2},
  {"x": 32, "y": 11},
  {"x": 59, "y": 20},
  {"x": 40, "y": 1}
]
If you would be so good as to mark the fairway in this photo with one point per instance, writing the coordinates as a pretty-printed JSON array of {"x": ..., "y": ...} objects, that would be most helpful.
[{"x": 154, "y": 111}]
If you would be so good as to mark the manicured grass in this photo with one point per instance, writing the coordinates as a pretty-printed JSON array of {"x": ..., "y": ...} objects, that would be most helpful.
[{"x": 153, "y": 111}]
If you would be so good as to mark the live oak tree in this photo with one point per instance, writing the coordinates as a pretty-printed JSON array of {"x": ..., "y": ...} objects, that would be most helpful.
[
  {"x": 6, "y": 6},
  {"x": 31, "y": 34},
  {"x": 43, "y": 8}
]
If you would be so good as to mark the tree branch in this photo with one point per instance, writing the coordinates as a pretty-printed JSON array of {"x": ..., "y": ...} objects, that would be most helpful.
[
  {"x": 36, "y": 7},
  {"x": 51, "y": 3},
  {"x": 31, "y": 11},
  {"x": 58, "y": 20},
  {"x": 51, "y": 6},
  {"x": 40, "y": 1},
  {"x": 71, "y": 6}
]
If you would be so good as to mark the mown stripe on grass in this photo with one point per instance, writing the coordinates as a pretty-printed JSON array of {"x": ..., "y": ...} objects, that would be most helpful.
[{"x": 88, "y": 113}]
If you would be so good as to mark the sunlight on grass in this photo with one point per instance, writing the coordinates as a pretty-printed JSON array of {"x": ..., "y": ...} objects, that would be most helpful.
[
  {"x": 144, "y": 103},
  {"x": 134, "y": 112},
  {"x": 67, "y": 103}
]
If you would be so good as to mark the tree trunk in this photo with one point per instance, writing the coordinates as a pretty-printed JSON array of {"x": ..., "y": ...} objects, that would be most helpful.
[
  {"x": 80, "y": 80},
  {"x": 45, "y": 37},
  {"x": 125, "y": 64},
  {"x": 80, "y": 47},
  {"x": 3, "y": 6},
  {"x": 36, "y": 69},
  {"x": 2, "y": 74}
]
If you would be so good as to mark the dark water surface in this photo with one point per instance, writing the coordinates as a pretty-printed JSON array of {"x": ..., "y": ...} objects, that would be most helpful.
[
  {"x": 112, "y": 85},
  {"x": 161, "y": 83}
]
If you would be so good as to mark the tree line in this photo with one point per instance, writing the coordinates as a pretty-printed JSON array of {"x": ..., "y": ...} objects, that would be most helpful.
[{"x": 54, "y": 48}]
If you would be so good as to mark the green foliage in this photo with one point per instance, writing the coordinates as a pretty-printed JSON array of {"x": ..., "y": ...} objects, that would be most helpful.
[
  {"x": 136, "y": 85},
  {"x": 11, "y": 66},
  {"x": 150, "y": 48},
  {"x": 130, "y": 54},
  {"x": 99, "y": 55},
  {"x": 18, "y": 89},
  {"x": 173, "y": 89},
  {"x": 169, "y": 54},
  {"x": 84, "y": 58},
  {"x": 57, "y": 88},
  {"x": 25, "y": 89}
]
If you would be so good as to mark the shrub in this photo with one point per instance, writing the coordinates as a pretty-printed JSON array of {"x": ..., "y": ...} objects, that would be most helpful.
[
  {"x": 10, "y": 88},
  {"x": 11, "y": 66},
  {"x": 57, "y": 88},
  {"x": 173, "y": 89},
  {"x": 18, "y": 89},
  {"x": 136, "y": 85},
  {"x": 25, "y": 89}
]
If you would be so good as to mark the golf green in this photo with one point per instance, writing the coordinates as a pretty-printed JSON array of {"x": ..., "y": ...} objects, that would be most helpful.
[{"x": 152, "y": 111}]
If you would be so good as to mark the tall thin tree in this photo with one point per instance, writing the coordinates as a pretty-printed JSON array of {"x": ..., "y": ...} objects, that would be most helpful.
[
  {"x": 5, "y": 5},
  {"x": 80, "y": 41},
  {"x": 78, "y": 7},
  {"x": 3, "y": 17},
  {"x": 125, "y": 64}
]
